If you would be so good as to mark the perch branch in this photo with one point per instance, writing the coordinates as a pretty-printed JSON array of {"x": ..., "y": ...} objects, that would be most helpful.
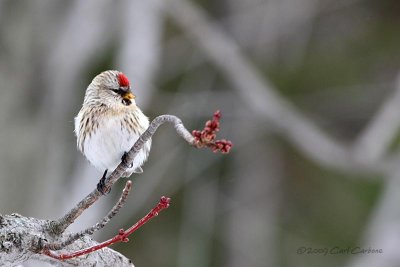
[
  {"x": 122, "y": 235},
  {"x": 89, "y": 231},
  {"x": 61, "y": 224}
]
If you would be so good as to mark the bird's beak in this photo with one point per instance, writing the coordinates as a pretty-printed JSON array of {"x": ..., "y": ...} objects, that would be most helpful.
[{"x": 128, "y": 95}]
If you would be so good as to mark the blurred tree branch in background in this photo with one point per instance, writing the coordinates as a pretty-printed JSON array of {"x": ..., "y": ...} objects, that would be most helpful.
[{"x": 309, "y": 88}]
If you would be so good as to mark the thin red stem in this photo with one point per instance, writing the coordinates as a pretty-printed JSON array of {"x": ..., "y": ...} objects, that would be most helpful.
[{"x": 121, "y": 237}]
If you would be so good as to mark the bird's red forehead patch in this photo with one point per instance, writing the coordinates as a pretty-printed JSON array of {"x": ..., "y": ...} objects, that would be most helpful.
[{"x": 123, "y": 80}]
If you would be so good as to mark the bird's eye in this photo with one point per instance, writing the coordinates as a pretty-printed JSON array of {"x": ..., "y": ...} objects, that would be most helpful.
[{"x": 115, "y": 90}]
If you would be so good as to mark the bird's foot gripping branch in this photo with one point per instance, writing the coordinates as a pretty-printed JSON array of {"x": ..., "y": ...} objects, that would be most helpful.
[{"x": 198, "y": 139}]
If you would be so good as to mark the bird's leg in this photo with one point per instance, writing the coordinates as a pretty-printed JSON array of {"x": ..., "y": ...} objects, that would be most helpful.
[
  {"x": 124, "y": 160},
  {"x": 101, "y": 185}
]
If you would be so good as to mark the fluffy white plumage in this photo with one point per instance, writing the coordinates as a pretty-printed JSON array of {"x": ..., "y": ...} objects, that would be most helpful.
[{"x": 106, "y": 145}]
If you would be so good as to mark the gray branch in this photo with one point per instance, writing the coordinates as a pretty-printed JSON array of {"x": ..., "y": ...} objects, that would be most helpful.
[
  {"x": 60, "y": 225},
  {"x": 374, "y": 141},
  {"x": 89, "y": 231}
]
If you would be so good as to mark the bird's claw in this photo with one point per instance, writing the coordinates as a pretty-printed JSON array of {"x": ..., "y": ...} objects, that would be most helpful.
[
  {"x": 101, "y": 186},
  {"x": 125, "y": 161}
]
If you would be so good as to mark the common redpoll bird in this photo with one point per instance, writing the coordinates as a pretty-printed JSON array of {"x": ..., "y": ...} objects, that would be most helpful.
[{"x": 109, "y": 123}]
